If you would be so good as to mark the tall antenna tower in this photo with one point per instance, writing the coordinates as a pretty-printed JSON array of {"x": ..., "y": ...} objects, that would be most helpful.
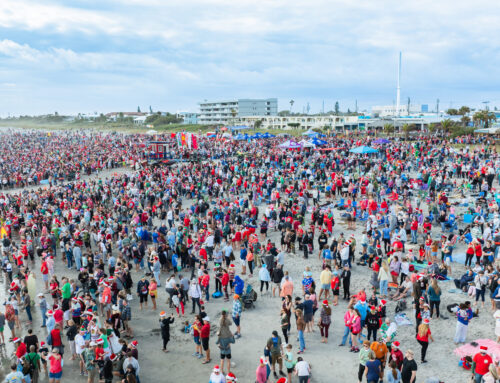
[{"x": 398, "y": 92}]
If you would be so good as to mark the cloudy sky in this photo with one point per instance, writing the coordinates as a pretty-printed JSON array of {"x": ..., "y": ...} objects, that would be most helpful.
[{"x": 108, "y": 55}]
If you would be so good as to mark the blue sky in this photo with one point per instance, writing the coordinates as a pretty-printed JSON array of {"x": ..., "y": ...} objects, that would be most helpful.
[{"x": 85, "y": 56}]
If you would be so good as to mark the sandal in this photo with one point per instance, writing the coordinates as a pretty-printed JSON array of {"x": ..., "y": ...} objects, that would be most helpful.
[{"x": 206, "y": 361}]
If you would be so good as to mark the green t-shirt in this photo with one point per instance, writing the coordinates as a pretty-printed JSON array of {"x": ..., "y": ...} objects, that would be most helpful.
[
  {"x": 33, "y": 358},
  {"x": 88, "y": 357},
  {"x": 66, "y": 291},
  {"x": 105, "y": 339},
  {"x": 289, "y": 360}
]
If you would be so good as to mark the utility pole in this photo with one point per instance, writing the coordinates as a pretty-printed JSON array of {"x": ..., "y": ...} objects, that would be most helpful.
[
  {"x": 398, "y": 91},
  {"x": 408, "y": 111},
  {"x": 486, "y": 105},
  {"x": 356, "y": 107},
  {"x": 437, "y": 106}
]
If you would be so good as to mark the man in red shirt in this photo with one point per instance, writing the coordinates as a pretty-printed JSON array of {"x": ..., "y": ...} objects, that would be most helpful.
[
  {"x": 481, "y": 364},
  {"x": 205, "y": 338}
]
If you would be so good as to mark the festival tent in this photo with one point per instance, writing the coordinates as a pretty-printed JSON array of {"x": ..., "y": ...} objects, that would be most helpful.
[
  {"x": 312, "y": 134},
  {"x": 239, "y": 127},
  {"x": 363, "y": 150},
  {"x": 381, "y": 141},
  {"x": 306, "y": 144},
  {"x": 290, "y": 144},
  {"x": 318, "y": 142},
  {"x": 226, "y": 135},
  {"x": 151, "y": 132},
  {"x": 268, "y": 135},
  {"x": 241, "y": 137}
]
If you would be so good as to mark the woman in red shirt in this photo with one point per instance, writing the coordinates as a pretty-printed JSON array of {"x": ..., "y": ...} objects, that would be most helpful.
[
  {"x": 423, "y": 337},
  {"x": 55, "y": 371}
]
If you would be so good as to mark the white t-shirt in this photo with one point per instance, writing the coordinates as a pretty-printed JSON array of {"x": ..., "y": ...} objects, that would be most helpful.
[
  {"x": 79, "y": 343},
  {"x": 302, "y": 368}
]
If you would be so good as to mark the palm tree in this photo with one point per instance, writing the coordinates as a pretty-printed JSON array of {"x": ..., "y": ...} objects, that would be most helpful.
[
  {"x": 447, "y": 125},
  {"x": 465, "y": 120},
  {"x": 291, "y": 105},
  {"x": 388, "y": 128}
]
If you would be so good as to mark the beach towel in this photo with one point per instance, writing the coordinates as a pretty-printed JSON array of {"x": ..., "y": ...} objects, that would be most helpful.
[
  {"x": 402, "y": 320},
  {"x": 470, "y": 350}
]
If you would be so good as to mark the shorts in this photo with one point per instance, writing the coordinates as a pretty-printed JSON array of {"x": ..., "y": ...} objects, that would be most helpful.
[
  {"x": 143, "y": 298},
  {"x": 236, "y": 321},
  {"x": 336, "y": 292},
  {"x": 326, "y": 286},
  {"x": 197, "y": 340},
  {"x": 227, "y": 356},
  {"x": 275, "y": 359},
  {"x": 1, "y": 329},
  {"x": 308, "y": 317},
  {"x": 289, "y": 370},
  {"x": 55, "y": 375},
  {"x": 11, "y": 324},
  {"x": 204, "y": 343}
]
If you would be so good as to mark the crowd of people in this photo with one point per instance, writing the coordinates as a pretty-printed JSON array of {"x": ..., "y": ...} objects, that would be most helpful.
[{"x": 84, "y": 256}]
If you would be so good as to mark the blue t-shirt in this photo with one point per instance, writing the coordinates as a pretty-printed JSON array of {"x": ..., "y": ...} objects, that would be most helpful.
[
  {"x": 243, "y": 254},
  {"x": 373, "y": 370}
]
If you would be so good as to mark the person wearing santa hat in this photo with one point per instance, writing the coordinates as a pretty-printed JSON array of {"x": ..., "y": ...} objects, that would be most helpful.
[
  {"x": 396, "y": 354},
  {"x": 480, "y": 364},
  {"x": 231, "y": 378},
  {"x": 423, "y": 337},
  {"x": 216, "y": 376}
]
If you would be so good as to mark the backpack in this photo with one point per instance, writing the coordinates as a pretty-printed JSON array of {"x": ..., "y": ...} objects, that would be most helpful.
[
  {"x": 9, "y": 313},
  {"x": 401, "y": 306},
  {"x": 29, "y": 366}
]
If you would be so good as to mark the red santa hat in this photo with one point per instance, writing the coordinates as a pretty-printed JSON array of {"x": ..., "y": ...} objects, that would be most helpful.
[
  {"x": 483, "y": 348},
  {"x": 113, "y": 357},
  {"x": 216, "y": 368},
  {"x": 231, "y": 377},
  {"x": 100, "y": 341},
  {"x": 426, "y": 321},
  {"x": 395, "y": 344},
  {"x": 325, "y": 302},
  {"x": 16, "y": 339},
  {"x": 383, "y": 302},
  {"x": 134, "y": 344}
]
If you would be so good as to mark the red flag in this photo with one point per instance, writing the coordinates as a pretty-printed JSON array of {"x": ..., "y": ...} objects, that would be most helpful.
[{"x": 194, "y": 143}]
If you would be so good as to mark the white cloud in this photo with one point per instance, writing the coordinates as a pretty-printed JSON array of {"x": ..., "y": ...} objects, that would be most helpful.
[{"x": 61, "y": 59}]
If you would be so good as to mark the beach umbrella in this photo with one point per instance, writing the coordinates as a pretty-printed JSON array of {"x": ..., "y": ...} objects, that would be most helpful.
[{"x": 363, "y": 150}]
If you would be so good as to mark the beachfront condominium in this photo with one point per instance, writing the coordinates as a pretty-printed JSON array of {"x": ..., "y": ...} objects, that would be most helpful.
[{"x": 228, "y": 112}]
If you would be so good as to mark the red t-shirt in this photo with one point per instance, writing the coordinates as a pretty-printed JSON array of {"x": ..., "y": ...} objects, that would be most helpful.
[
  {"x": 21, "y": 350},
  {"x": 482, "y": 363},
  {"x": 58, "y": 316},
  {"x": 56, "y": 337},
  {"x": 424, "y": 338},
  {"x": 205, "y": 330}
]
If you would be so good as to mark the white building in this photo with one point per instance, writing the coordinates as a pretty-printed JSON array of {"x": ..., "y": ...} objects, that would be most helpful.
[
  {"x": 301, "y": 122},
  {"x": 226, "y": 112},
  {"x": 390, "y": 110}
]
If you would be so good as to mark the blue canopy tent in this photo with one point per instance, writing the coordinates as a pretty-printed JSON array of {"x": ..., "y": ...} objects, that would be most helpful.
[
  {"x": 363, "y": 150},
  {"x": 313, "y": 134},
  {"x": 241, "y": 137},
  {"x": 268, "y": 135},
  {"x": 318, "y": 142},
  {"x": 239, "y": 127}
]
